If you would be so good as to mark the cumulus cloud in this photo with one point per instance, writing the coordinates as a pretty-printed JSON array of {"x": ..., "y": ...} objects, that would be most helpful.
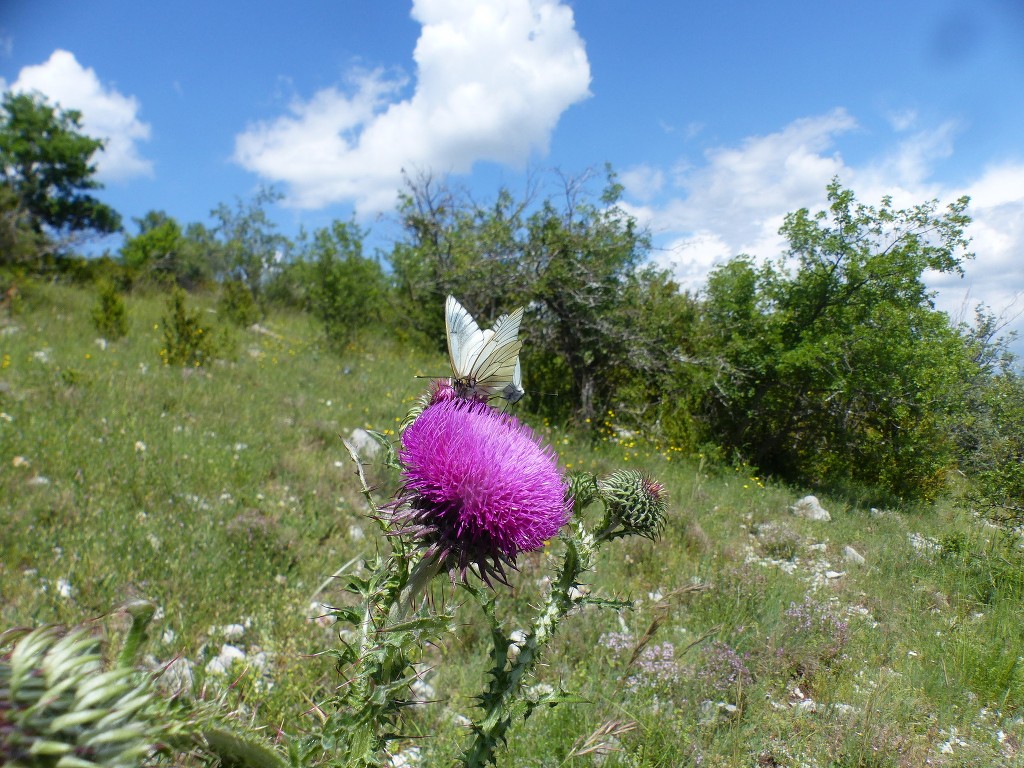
[
  {"x": 106, "y": 113},
  {"x": 736, "y": 200},
  {"x": 642, "y": 182},
  {"x": 492, "y": 79},
  {"x": 996, "y": 276}
]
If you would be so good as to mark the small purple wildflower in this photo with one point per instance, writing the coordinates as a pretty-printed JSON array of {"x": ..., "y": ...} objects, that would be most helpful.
[
  {"x": 817, "y": 629},
  {"x": 479, "y": 487},
  {"x": 724, "y": 669},
  {"x": 655, "y": 665}
]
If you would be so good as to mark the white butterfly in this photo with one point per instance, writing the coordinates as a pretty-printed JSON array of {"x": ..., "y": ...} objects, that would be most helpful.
[{"x": 484, "y": 362}]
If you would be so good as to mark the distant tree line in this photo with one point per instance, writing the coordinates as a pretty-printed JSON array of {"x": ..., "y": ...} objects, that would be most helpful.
[{"x": 829, "y": 366}]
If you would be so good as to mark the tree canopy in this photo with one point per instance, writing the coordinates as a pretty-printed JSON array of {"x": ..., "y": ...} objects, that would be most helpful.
[
  {"x": 47, "y": 168},
  {"x": 833, "y": 363}
]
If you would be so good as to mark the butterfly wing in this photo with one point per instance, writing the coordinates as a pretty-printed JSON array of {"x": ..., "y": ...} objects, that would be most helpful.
[
  {"x": 465, "y": 339},
  {"x": 513, "y": 391},
  {"x": 494, "y": 366}
]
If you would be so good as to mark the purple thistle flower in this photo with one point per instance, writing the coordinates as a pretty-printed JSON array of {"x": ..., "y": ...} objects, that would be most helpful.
[{"x": 480, "y": 488}]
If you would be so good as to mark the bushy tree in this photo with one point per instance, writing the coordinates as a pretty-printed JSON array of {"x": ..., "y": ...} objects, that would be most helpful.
[
  {"x": 163, "y": 253},
  {"x": 456, "y": 246},
  {"x": 996, "y": 466},
  {"x": 250, "y": 245},
  {"x": 833, "y": 365},
  {"x": 583, "y": 260},
  {"x": 347, "y": 289},
  {"x": 990, "y": 440},
  {"x": 47, "y": 170},
  {"x": 598, "y": 329}
]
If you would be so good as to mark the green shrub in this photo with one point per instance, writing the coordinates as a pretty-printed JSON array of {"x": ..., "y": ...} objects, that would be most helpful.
[
  {"x": 346, "y": 288},
  {"x": 110, "y": 314},
  {"x": 186, "y": 341},
  {"x": 237, "y": 304}
]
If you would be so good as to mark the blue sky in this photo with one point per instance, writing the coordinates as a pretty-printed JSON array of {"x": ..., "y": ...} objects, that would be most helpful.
[{"x": 719, "y": 117}]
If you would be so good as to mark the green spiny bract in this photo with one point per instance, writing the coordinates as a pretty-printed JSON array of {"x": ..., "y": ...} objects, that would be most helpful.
[
  {"x": 582, "y": 489},
  {"x": 634, "y": 501},
  {"x": 58, "y": 707}
]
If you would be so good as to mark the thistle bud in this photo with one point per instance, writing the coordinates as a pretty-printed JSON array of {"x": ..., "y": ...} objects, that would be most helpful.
[
  {"x": 440, "y": 391},
  {"x": 582, "y": 488},
  {"x": 635, "y": 501}
]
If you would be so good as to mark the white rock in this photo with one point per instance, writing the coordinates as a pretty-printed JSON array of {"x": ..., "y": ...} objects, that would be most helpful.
[
  {"x": 177, "y": 676},
  {"x": 834, "y": 574},
  {"x": 233, "y": 631},
  {"x": 810, "y": 508},
  {"x": 259, "y": 660},
  {"x": 64, "y": 589},
  {"x": 408, "y": 758},
  {"x": 423, "y": 690},
  {"x": 853, "y": 556},
  {"x": 922, "y": 543},
  {"x": 220, "y": 664},
  {"x": 364, "y": 444}
]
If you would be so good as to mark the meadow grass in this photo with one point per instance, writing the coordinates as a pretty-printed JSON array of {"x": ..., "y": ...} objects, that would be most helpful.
[{"x": 224, "y": 494}]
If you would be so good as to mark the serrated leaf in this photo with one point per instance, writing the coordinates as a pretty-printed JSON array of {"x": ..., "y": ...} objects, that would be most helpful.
[{"x": 390, "y": 456}]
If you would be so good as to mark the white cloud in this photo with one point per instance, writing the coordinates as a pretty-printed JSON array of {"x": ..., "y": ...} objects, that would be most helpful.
[
  {"x": 492, "y": 80},
  {"x": 996, "y": 276},
  {"x": 642, "y": 182},
  {"x": 737, "y": 199},
  {"x": 106, "y": 113},
  {"x": 902, "y": 119}
]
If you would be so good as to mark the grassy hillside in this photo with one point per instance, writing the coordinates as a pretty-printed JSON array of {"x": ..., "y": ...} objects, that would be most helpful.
[{"x": 225, "y": 495}]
